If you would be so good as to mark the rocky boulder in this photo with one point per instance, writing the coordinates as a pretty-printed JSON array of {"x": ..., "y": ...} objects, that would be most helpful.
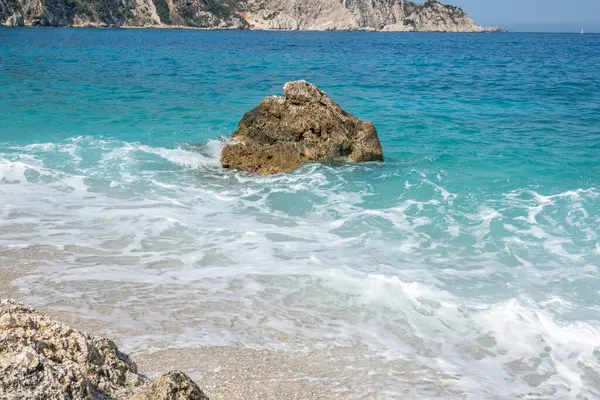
[
  {"x": 46, "y": 360},
  {"x": 305, "y": 125},
  {"x": 174, "y": 385}
]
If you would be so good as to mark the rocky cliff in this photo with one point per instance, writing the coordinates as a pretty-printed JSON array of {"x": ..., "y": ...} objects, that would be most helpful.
[{"x": 372, "y": 15}]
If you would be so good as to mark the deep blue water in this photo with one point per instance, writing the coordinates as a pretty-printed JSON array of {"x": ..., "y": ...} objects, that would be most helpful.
[{"x": 472, "y": 251}]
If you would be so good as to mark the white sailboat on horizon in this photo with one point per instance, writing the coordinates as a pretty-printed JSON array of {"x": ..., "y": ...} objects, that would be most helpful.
[{"x": 582, "y": 30}]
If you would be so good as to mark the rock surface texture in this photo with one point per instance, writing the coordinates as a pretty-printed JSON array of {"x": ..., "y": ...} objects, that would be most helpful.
[
  {"x": 378, "y": 15},
  {"x": 305, "y": 125},
  {"x": 172, "y": 386},
  {"x": 46, "y": 360}
]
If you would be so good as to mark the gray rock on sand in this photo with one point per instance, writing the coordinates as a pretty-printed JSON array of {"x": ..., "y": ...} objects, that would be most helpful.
[
  {"x": 305, "y": 125},
  {"x": 43, "y": 359},
  {"x": 175, "y": 385}
]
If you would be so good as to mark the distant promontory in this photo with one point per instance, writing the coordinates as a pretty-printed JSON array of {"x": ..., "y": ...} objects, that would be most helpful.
[{"x": 309, "y": 15}]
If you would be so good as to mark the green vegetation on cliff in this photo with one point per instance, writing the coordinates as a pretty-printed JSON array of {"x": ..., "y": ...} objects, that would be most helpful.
[{"x": 162, "y": 9}]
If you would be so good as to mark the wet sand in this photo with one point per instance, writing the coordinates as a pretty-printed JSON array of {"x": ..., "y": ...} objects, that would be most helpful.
[
  {"x": 230, "y": 373},
  {"x": 222, "y": 372},
  {"x": 227, "y": 372}
]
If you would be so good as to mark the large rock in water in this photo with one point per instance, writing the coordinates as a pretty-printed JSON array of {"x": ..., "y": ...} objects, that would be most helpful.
[
  {"x": 305, "y": 125},
  {"x": 46, "y": 360}
]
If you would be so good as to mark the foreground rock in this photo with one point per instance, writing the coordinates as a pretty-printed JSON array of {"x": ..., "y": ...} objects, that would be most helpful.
[
  {"x": 44, "y": 359},
  {"x": 305, "y": 125},
  {"x": 172, "y": 386}
]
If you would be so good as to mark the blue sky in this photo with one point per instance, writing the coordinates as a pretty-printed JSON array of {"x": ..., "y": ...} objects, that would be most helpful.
[{"x": 534, "y": 15}]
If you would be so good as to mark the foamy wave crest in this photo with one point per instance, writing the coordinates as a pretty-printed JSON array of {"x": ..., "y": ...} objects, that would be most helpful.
[
  {"x": 205, "y": 156},
  {"x": 11, "y": 172},
  {"x": 549, "y": 357},
  {"x": 105, "y": 165},
  {"x": 480, "y": 345},
  {"x": 18, "y": 172}
]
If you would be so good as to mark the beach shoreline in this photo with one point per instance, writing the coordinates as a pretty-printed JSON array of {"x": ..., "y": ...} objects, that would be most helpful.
[
  {"x": 232, "y": 372},
  {"x": 221, "y": 372}
]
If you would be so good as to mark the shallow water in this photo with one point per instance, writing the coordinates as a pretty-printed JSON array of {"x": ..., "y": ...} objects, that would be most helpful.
[{"x": 467, "y": 261}]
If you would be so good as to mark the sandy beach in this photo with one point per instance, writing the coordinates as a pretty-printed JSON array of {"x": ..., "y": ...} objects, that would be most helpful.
[
  {"x": 222, "y": 372},
  {"x": 227, "y": 372}
]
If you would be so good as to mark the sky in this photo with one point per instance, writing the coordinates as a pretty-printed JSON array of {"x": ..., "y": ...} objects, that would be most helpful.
[{"x": 534, "y": 15}]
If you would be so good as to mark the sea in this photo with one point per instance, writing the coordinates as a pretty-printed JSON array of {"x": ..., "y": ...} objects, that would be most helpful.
[{"x": 465, "y": 265}]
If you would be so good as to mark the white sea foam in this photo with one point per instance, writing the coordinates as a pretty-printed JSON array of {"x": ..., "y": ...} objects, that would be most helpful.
[
  {"x": 11, "y": 172},
  {"x": 186, "y": 158},
  {"x": 479, "y": 297}
]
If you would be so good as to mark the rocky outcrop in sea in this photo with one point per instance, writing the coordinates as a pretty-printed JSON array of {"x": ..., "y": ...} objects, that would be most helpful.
[
  {"x": 44, "y": 359},
  {"x": 304, "y": 125},
  {"x": 368, "y": 15}
]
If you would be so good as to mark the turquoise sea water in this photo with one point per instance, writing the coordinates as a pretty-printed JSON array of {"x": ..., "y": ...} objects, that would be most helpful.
[{"x": 464, "y": 266}]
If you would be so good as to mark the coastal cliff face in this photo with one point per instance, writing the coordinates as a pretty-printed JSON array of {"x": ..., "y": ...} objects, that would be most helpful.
[
  {"x": 370, "y": 15},
  {"x": 378, "y": 15}
]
